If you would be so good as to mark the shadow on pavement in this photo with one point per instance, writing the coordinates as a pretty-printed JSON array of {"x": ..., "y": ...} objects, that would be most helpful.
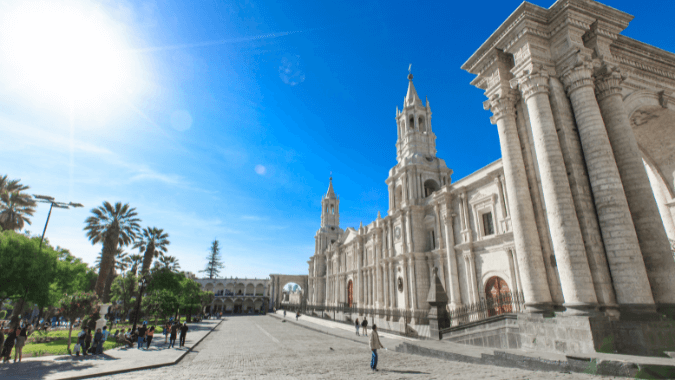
[
  {"x": 406, "y": 372},
  {"x": 40, "y": 369}
]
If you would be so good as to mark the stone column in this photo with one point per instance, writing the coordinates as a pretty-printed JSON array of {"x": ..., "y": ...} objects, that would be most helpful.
[
  {"x": 525, "y": 236},
  {"x": 651, "y": 234},
  {"x": 451, "y": 255},
  {"x": 626, "y": 266},
  {"x": 411, "y": 245},
  {"x": 392, "y": 286},
  {"x": 582, "y": 195},
  {"x": 568, "y": 246},
  {"x": 439, "y": 235},
  {"x": 406, "y": 294}
]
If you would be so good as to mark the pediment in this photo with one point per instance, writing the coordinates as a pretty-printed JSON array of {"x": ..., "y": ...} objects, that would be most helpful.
[{"x": 350, "y": 235}]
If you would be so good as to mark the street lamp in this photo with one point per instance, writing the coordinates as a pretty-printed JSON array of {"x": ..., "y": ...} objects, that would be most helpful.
[
  {"x": 52, "y": 202},
  {"x": 141, "y": 287}
]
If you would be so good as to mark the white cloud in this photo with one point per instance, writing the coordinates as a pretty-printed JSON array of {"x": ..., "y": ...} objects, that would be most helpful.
[
  {"x": 289, "y": 70},
  {"x": 260, "y": 169}
]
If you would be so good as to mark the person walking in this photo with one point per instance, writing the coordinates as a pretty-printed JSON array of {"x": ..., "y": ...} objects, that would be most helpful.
[
  {"x": 87, "y": 342},
  {"x": 374, "y": 346},
  {"x": 166, "y": 330},
  {"x": 141, "y": 335},
  {"x": 284, "y": 313},
  {"x": 183, "y": 333},
  {"x": 20, "y": 342},
  {"x": 98, "y": 344},
  {"x": 356, "y": 324},
  {"x": 364, "y": 324},
  {"x": 80, "y": 341},
  {"x": 8, "y": 345},
  {"x": 297, "y": 315},
  {"x": 172, "y": 337},
  {"x": 149, "y": 335}
]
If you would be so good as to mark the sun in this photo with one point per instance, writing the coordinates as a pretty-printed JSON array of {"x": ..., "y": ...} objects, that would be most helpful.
[{"x": 60, "y": 50}]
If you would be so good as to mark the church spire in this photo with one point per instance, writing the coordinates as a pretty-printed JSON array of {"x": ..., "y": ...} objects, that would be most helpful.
[
  {"x": 330, "y": 194},
  {"x": 411, "y": 98}
]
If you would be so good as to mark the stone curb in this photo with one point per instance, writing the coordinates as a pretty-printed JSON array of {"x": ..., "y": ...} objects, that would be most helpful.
[
  {"x": 572, "y": 364},
  {"x": 108, "y": 373}
]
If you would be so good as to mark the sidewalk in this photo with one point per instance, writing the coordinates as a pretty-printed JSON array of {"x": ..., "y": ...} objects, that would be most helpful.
[
  {"x": 596, "y": 363},
  {"x": 112, "y": 361}
]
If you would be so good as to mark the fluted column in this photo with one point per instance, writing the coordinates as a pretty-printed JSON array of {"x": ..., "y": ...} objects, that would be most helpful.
[
  {"x": 525, "y": 236},
  {"x": 568, "y": 246},
  {"x": 406, "y": 287},
  {"x": 626, "y": 266},
  {"x": 651, "y": 234},
  {"x": 411, "y": 245},
  {"x": 451, "y": 256}
]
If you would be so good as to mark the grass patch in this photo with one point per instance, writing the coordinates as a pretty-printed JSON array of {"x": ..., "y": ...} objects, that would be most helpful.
[{"x": 59, "y": 347}]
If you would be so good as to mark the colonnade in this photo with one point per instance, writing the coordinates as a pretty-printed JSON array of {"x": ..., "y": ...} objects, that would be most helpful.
[{"x": 624, "y": 257}]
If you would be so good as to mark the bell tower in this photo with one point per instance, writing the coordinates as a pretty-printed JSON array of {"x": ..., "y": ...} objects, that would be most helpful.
[
  {"x": 418, "y": 173},
  {"x": 330, "y": 208},
  {"x": 415, "y": 136}
]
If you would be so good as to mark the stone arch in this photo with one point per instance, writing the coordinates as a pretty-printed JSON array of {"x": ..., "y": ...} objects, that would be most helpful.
[
  {"x": 250, "y": 289},
  {"x": 422, "y": 125},
  {"x": 259, "y": 290},
  {"x": 229, "y": 289},
  {"x": 219, "y": 289},
  {"x": 239, "y": 289},
  {"x": 652, "y": 117},
  {"x": 208, "y": 287},
  {"x": 430, "y": 186},
  {"x": 278, "y": 281}
]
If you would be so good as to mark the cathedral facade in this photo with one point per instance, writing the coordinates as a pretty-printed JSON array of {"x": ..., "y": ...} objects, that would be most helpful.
[
  {"x": 387, "y": 264},
  {"x": 578, "y": 215}
]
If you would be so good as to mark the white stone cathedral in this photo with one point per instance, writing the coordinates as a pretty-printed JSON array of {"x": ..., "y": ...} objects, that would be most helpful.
[
  {"x": 387, "y": 264},
  {"x": 577, "y": 215}
]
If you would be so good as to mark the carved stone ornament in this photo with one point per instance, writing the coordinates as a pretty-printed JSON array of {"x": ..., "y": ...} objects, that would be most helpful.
[
  {"x": 397, "y": 232},
  {"x": 501, "y": 104},
  {"x": 400, "y": 284}
]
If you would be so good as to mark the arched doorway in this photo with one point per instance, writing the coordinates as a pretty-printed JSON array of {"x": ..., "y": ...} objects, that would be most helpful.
[
  {"x": 497, "y": 296},
  {"x": 350, "y": 293}
]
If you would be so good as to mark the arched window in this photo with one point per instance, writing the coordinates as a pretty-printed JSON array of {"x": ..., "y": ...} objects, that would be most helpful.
[
  {"x": 411, "y": 122},
  {"x": 498, "y": 296},
  {"x": 430, "y": 186}
]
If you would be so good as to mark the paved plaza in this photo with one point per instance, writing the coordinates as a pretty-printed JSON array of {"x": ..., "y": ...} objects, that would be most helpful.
[{"x": 251, "y": 347}]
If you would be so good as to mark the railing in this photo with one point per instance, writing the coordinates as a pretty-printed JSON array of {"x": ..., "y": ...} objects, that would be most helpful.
[
  {"x": 346, "y": 314},
  {"x": 504, "y": 303}
]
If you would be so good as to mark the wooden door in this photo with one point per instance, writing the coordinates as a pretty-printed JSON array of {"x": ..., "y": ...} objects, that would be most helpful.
[
  {"x": 350, "y": 293},
  {"x": 497, "y": 295}
]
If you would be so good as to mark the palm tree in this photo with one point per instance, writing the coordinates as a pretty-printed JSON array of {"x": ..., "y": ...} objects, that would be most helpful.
[
  {"x": 119, "y": 265},
  {"x": 15, "y": 205},
  {"x": 115, "y": 227},
  {"x": 154, "y": 242},
  {"x": 134, "y": 261},
  {"x": 168, "y": 262}
]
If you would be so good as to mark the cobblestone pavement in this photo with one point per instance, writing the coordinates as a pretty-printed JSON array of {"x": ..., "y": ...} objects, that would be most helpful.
[{"x": 265, "y": 347}]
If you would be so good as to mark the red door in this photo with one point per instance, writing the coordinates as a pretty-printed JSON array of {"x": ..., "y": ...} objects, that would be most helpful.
[{"x": 497, "y": 295}]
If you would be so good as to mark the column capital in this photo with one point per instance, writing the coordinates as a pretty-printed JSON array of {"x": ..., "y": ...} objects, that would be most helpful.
[
  {"x": 578, "y": 76},
  {"x": 531, "y": 82},
  {"x": 608, "y": 80},
  {"x": 502, "y": 104}
]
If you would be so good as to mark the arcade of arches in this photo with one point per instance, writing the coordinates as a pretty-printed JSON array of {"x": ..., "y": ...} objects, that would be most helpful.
[{"x": 236, "y": 295}]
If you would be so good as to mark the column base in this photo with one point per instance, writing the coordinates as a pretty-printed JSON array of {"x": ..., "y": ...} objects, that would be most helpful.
[
  {"x": 543, "y": 308},
  {"x": 639, "y": 312},
  {"x": 580, "y": 309},
  {"x": 666, "y": 309}
]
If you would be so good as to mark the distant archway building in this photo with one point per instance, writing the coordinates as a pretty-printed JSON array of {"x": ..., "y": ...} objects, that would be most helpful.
[
  {"x": 237, "y": 295},
  {"x": 577, "y": 214}
]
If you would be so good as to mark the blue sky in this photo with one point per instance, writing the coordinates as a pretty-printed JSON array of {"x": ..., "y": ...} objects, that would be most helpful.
[{"x": 223, "y": 119}]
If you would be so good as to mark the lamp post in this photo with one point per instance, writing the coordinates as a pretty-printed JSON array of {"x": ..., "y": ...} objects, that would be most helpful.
[
  {"x": 141, "y": 287},
  {"x": 52, "y": 202}
]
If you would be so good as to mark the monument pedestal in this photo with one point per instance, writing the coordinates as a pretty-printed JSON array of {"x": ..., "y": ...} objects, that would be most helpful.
[{"x": 102, "y": 321}]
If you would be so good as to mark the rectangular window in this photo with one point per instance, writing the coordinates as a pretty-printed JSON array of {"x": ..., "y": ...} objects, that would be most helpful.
[{"x": 488, "y": 227}]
